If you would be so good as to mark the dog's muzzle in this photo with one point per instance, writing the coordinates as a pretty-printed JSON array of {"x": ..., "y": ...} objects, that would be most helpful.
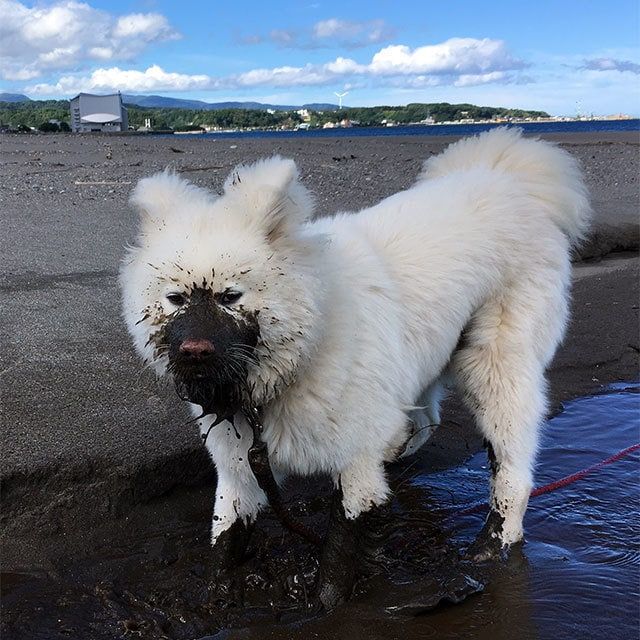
[{"x": 209, "y": 352}]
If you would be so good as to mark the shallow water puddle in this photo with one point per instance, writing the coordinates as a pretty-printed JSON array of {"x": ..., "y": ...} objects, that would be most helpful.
[
  {"x": 578, "y": 574},
  {"x": 576, "y": 577}
]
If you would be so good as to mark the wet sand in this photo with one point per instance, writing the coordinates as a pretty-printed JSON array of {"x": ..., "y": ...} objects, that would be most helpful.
[{"x": 94, "y": 456}]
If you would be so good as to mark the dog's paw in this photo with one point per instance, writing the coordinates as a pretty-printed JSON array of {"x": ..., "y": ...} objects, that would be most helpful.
[
  {"x": 229, "y": 548},
  {"x": 337, "y": 573},
  {"x": 488, "y": 545}
]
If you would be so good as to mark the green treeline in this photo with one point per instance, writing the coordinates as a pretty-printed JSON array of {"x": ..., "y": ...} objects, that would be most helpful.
[
  {"x": 416, "y": 112},
  {"x": 37, "y": 112},
  {"x": 34, "y": 113},
  {"x": 188, "y": 119}
]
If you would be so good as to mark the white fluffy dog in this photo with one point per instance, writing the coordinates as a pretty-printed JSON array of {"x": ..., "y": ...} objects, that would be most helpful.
[{"x": 341, "y": 328}]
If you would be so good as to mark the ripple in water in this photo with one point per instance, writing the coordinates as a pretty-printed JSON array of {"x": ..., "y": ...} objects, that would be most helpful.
[{"x": 578, "y": 574}]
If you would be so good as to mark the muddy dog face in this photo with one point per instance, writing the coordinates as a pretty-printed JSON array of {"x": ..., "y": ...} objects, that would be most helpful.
[
  {"x": 222, "y": 292},
  {"x": 209, "y": 348}
]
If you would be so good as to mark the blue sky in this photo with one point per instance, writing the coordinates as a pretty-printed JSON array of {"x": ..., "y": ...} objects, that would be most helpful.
[{"x": 557, "y": 56}]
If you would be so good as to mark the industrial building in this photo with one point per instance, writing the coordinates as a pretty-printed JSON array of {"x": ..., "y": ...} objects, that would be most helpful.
[{"x": 98, "y": 113}]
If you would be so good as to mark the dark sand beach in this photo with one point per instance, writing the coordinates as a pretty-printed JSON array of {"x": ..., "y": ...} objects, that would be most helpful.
[{"x": 101, "y": 485}]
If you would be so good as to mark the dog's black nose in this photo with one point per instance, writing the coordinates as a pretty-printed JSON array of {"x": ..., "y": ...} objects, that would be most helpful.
[{"x": 197, "y": 348}]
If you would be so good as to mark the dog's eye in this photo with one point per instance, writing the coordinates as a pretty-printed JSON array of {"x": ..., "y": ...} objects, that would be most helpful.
[
  {"x": 177, "y": 299},
  {"x": 230, "y": 296}
]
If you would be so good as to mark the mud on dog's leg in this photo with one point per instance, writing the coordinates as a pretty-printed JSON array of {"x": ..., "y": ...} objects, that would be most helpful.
[
  {"x": 509, "y": 410},
  {"x": 238, "y": 498},
  {"x": 360, "y": 490},
  {"x": 236, "y": 507}
]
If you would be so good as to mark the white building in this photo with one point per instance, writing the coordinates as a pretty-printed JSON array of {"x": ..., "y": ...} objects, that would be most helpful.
[{"x": 98, "y": 113}]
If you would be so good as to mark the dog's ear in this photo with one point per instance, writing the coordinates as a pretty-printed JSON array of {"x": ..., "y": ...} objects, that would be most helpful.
[
  {"x": 160, "y": 197},
  {"x": 271, "y": 196}
]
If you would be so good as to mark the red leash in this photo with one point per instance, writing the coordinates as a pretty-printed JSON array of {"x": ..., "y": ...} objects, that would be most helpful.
[{"x": 563, "y": 482}]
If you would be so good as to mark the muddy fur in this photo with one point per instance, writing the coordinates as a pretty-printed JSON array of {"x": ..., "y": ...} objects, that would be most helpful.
[{"x": 358, "y": 316}]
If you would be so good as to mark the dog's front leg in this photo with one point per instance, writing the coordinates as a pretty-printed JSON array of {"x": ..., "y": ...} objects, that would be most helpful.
[
  {"x": 238, "y": 498},
  {"x": 361, "y": 489},
  {"x": 235, "y": 509}
]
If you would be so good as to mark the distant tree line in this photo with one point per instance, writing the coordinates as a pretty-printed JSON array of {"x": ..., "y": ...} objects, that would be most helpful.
[
  {"x": 417, "y": 112},
  {"x": 38, "y": 113},
  {"x": 189, "y": 119},
  {"x": 23, "y": 115}
]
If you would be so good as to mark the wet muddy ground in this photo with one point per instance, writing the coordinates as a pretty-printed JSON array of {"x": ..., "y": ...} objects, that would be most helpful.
[{"x": 147, "y": 576}]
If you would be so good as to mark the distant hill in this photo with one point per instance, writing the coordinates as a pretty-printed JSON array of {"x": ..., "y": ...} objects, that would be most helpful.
[
  {"x": 179, "y": 103},
  {"x": 163, "y": 102},
  {"x": 13, "y": 97}
]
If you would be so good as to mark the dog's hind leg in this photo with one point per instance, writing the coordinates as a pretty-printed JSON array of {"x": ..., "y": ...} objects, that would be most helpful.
[
  {"x": 424, "y": 420},
  {"x": 500, "y": 371}
]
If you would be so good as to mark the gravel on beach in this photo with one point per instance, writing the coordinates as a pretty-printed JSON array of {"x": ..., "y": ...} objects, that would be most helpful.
[{"x": 79, "y": 184}]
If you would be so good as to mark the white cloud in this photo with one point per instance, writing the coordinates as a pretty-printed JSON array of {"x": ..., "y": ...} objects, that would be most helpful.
[
  {"x": 101, "y": 53},
  {"x": 331, "y": 27},
  {"x": 283, "y": 76},
  {"x": 352, "y": 34},
  {"x": 58, "y": 56},
  {"x": 472, "y": 79},
  {"x": 17, "y": 74},
  {"x": 455, "y": 56},
  {"x": 147, "y": 26},
  {"x": 67, "y": 33},
  {"x": 611, "y": 64},
  {"x": 152, "y": 79},
  {"x": 460, "y": 62},
  {"x": 327, "y": 34},
  {"x": 562, "y": 91},
  {"x": 345, "y": 66}
]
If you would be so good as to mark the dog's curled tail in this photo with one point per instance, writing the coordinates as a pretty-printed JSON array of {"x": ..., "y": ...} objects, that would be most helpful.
[{"x": 549, "y": 173}]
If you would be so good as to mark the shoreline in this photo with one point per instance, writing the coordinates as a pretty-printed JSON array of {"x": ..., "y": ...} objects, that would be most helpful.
[
  {"x": 451, "y": 129},
  {"x": 599, "y": 124}
]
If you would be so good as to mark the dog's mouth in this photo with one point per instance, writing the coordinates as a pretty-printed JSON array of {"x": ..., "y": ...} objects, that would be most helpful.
[{"x": 217, "y": 390}]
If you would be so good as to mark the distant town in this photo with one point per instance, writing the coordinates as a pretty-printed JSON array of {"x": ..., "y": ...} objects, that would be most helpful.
[{"x": 157, "y": 114}]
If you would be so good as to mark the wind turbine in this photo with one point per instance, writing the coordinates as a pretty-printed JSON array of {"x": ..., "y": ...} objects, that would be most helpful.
[{"x": 340, "y": 96}]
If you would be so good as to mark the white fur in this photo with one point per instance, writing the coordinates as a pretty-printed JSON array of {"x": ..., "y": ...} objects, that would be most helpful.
[{"x": 360, "y": 314}]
